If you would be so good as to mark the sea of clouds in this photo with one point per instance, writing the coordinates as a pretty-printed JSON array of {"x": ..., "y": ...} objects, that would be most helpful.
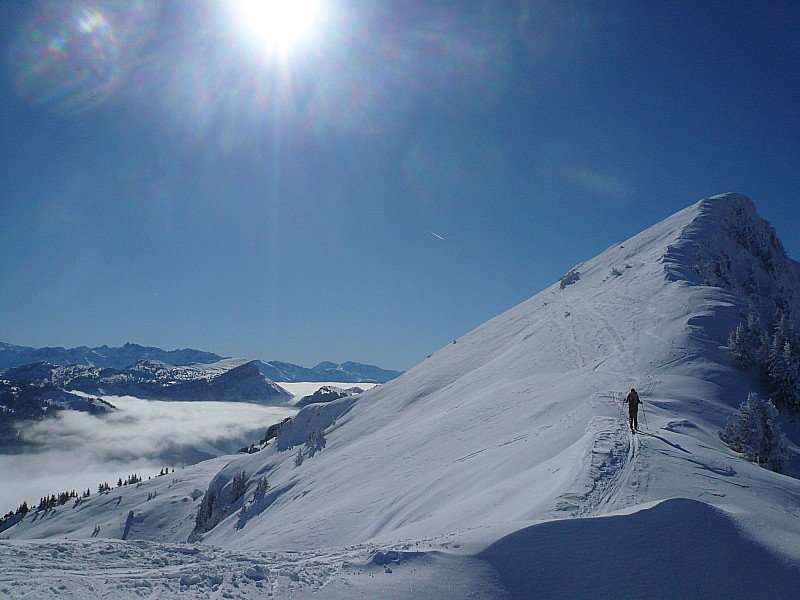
[{"x": 77, "y": 451}]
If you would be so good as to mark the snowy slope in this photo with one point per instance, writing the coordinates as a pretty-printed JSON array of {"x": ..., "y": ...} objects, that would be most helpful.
[{"x": 478, "y": 461}]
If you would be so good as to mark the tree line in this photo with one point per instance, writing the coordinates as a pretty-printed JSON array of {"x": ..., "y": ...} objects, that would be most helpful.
[
  {"x": 772, "y": 353},
  {"x": 52, "y": 501}
]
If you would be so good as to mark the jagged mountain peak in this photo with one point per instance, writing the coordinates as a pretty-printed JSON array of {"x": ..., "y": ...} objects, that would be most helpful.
[
  {"x": 732, "y": 221},
  {"x": 719, "y": 242},
  {"x": 727, "y": 245}
]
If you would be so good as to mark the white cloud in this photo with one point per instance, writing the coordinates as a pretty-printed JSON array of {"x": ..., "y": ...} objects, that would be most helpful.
[{"x": 77, "y": 450}]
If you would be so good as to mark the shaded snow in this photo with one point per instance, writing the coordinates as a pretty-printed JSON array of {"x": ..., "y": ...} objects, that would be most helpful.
[{"x": 677, "y": 549}]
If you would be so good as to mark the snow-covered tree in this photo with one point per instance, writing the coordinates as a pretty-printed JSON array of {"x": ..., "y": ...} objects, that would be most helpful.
[
  {"x": 747, "y": 344},
  {"x": 762, "y": 353},
  {"x": 739, "y": 346},
  {"x": 775, "y": 356},
  {"x": 784, "y": 370},
  {"x": 782, "y": 333},
  {"x": 315, "y": 439},
  {"x": 755, "y": 431},
  {"x": 205, "y": 512},
  {"x": 261, "y": 487},
  {"x": 238, "y": 485},
  {"x": 751, "y": 285}
]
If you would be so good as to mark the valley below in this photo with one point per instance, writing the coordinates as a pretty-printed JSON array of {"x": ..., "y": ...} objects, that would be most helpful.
[{"x": 78, "y": 451}]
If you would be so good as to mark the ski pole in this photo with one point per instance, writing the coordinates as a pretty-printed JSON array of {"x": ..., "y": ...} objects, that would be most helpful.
[{"x": 644, "y": 419}]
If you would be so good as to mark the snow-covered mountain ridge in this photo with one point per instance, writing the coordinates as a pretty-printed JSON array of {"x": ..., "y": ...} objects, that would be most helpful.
[
  {"x": 123, "y": 357},
  {"x": 225, "y": 380},
  {"x": 347, "y": 372},
  {"x": 102, "y": 356},
  {"x": 327, "y": 393},
  {"x": 504, "y": 438}
]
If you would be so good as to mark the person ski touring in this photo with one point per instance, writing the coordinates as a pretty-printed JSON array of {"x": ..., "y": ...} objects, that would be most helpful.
[{"x": 633, "y": 409}]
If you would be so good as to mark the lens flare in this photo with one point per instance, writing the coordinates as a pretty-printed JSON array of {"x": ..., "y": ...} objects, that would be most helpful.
[
  {"x": 66, "y": 59},
  {"x": 69, "y": 57}
]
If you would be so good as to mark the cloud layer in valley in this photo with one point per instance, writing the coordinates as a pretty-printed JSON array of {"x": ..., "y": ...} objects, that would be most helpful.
[{"x": 79, "y": 451}]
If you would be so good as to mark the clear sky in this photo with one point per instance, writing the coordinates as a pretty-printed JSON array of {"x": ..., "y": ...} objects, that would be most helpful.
[{"x": 370, "y": 184}]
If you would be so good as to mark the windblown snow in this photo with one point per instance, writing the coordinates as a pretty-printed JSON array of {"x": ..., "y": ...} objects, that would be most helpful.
[{"x": 500, "y": 467}]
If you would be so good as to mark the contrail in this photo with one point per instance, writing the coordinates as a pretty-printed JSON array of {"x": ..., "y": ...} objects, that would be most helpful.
[{"x": 436, "y": 234}]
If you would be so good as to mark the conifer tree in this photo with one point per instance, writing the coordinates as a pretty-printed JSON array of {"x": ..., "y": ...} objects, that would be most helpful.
[
  {"x": 755, "y": 431},
  {"x": 205, "y": 511},
  {"x": 239, "y": 485},
  {"x": 739, "y": 347},
  {"x": 783, "y": 375},
  {"x": 261, "y": 487}
]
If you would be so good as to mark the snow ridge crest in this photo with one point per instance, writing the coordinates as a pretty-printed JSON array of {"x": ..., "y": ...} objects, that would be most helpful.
[{"x": 728, "y": 245}]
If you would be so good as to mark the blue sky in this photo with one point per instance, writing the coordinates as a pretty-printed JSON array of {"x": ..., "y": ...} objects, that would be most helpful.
[{"x": 403, "y": 173}]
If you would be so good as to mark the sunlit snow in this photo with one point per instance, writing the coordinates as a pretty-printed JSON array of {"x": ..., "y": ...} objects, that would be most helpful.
[{"x": 500, "y": 467}]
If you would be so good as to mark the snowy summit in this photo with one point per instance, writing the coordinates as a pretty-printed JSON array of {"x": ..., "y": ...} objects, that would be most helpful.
[{"x": 502, "y": 466}]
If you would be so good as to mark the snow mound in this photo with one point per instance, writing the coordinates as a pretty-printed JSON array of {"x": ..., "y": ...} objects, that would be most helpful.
[{"x": 679, "y": 548}]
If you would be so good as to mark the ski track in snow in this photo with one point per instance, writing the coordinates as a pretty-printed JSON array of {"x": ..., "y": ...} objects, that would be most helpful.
[
  {"x": 606, "y": 473},
  {"x": 81, "y": 569},
  {"x": 119, "y": 569},
  {"x": 615, "y": 472}
]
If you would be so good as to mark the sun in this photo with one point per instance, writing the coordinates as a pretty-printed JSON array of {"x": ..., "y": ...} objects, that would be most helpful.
[{"x": 278, "y": 25}]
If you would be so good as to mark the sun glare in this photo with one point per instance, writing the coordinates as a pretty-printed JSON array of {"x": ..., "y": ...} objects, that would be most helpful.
[{"x": 279, "y": 24}]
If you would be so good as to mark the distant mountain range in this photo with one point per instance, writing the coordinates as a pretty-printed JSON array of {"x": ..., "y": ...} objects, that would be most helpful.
[
  {"x": 102, "y": 356},
  {"x": 347, "y": 372},
  {"x": 226, "y": 380},
  {"x": 41, "y": 390},
  {"x": 122, "y": 357},
  {"x": 36, "y": 383}
]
